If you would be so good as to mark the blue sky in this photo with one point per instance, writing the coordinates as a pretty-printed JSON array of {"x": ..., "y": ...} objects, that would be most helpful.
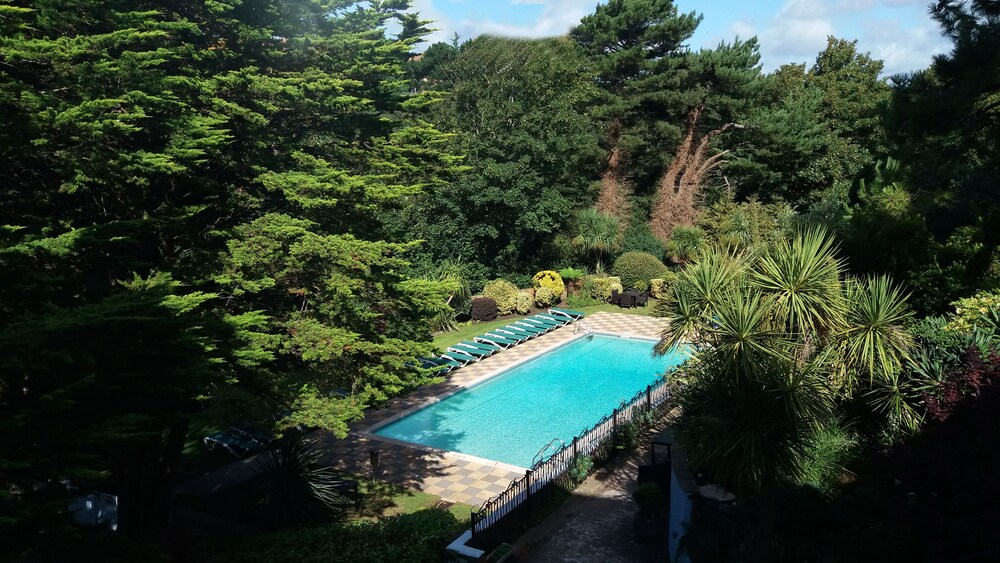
[{"x": 900, "y": 32}]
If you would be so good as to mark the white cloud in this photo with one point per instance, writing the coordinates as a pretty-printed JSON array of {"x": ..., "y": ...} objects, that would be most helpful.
[
  {"x": 903, "y": 50},
  {"x": 742, "y": 29},
  {"x": 796, "y": 33},
  {"x": 557, "y": 18},
  {"x": 855, "y": 5},
  {"x": 443, "y": 27},
  {"x": 803, "y": 10}
]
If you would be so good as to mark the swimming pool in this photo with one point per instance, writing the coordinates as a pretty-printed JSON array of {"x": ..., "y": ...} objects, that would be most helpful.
[{"x": 510, "y": 417}]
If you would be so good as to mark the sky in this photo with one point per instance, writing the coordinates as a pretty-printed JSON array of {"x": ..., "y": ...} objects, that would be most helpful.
[{"x": 900, "y": 32}]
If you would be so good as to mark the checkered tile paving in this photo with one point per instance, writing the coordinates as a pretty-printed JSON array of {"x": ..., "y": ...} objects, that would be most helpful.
[{"x": 445, "y": 474}]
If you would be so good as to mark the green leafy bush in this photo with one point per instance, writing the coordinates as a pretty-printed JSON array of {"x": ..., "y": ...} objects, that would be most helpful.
[
  {"x": 636, "y": 269},
  {"x": 549, "y": 279},
  {"x": 545, "y": 297},
  {"x": 571, "y": 274},
  {"x": 582, "y": 300},
  {"x": 829, "y": 450},
  {"x": 662, "y": 286},
  {"x": 600, "y": 288},
  {"x": 409, "y": 538},
  {"x": 974, "y": 312},
  {"x": 639, "y": 238},
  {"x": 523, "y": 305},
  {"x": 580, "y": 469},
  {"x": 483, "y": 309},
  {"x": 504, "y": 293}
]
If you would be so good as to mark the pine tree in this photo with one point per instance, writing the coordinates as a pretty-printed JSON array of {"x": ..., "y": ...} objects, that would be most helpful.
[{"x": 190, "y": 198}]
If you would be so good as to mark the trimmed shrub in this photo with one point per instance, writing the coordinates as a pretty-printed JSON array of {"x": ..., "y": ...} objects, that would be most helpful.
[
  {"x": 523, "y": 306},
  {"x": 549, "y": 279},
  {"x": 600, "y": 288},
  {"x": 484, "y": 309},
  {"x": 545, "y": 297},
  {"x": 661, "y": 287},
  {"x": 505, "y": 294},
  {"x": 636, "y": 269}
]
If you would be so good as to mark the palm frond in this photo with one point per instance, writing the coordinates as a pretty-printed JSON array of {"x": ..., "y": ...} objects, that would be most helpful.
[
  {"x": 801, "y": 277},
  {"x": 873, "y": 341}
]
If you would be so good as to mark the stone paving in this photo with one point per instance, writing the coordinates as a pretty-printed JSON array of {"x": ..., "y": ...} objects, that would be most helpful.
[{"x": 454, "y": 477}]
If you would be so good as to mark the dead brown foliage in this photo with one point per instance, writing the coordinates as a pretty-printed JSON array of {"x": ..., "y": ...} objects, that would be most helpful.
[
  {"x": 613, "y": 197},
  {"x": 680, "y": 186}
]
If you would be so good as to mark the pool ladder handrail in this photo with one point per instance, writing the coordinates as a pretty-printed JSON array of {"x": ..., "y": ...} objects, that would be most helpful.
[
  {"x": 583, "y": 325},
  {"x": 538, "y": 457}
]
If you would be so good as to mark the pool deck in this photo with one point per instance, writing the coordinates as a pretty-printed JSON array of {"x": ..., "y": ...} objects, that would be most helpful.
[{"x": 455, "y": 477}]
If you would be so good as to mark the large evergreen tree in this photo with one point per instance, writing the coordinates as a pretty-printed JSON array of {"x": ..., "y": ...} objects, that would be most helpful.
[
  {"x": 520, "y": 112},
  {"x": 189, "y": 195},
  {"x": 639, "y": 50},
  {"x": 945, "y": 127}
]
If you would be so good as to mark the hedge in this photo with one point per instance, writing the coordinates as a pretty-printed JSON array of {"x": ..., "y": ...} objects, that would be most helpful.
[
  {"x": 545, "y": 297},
  {"x": 636, "y": 269},
  {"x": 483, "y": 309},
  {"x": 600, "y": 288},
  {"x": 661, "y": 287},
  {"x": 549, "y": 279},
  {"x": 523, "y": 306},
  {"x": 505, "y": 294}
]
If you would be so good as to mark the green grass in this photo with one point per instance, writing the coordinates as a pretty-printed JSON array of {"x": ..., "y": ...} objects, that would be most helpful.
[
  {"x": 468, "y": 331},
  {"x": 608, "y": 307},
  {"x": 473, "y": 329},
  {"x": 383, "y": 499}
]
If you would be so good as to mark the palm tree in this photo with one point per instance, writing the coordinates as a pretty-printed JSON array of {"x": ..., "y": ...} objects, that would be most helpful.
[
  {"x": 685, "y": 243},
  {"x": 597, "y": 234},
  {"x": 779, "y": 336},
  {"x": 301, "y": 488}
]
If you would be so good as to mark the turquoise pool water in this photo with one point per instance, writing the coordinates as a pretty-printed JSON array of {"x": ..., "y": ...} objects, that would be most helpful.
[{"x": 556, "y": 395}]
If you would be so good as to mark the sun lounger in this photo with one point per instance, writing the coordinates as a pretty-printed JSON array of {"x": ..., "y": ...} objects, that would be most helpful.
[
  {"x": 542, "y": 322},
  {"x": 496, "y": 340},
  {"x": 567, "y": 313},
  {"x": 527, "y": 324},
  {"x": 561, "y": 320},
  {"x": 443, "y": 365},
  {"x": 480, "y": 354},
  {"x": 237, "y": 441},
  {"x": 529, "y": 332},
  {"x": 491, "y": 348},
  {"x": 461, "y": 357}
]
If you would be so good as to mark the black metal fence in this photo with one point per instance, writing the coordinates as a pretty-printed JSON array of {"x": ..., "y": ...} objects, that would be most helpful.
[{"x": 505, "y": 516}]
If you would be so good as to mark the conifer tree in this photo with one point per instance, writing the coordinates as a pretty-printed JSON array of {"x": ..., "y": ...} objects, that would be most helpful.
[{"x": 190, "y": 198}]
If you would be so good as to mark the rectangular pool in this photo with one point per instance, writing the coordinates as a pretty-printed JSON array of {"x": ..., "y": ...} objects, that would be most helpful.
[{"x": 510, "y": 417}]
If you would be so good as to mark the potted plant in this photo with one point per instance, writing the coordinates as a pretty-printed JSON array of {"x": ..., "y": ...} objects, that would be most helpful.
[{"x": 650, "y": 520}]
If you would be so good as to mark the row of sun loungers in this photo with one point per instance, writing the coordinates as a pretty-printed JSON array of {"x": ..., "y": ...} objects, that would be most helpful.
[{"x": 489, "y": 343}]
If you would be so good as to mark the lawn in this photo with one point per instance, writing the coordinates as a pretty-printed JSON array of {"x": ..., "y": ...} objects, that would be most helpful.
[
  {"x": 472, "y": 329},
  {"x": 383, "y": 499}
]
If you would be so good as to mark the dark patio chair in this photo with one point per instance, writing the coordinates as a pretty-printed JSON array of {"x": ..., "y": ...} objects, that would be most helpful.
[
  {"x": 615, "y": 298},
  {"x": 641, "y": 299}
]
